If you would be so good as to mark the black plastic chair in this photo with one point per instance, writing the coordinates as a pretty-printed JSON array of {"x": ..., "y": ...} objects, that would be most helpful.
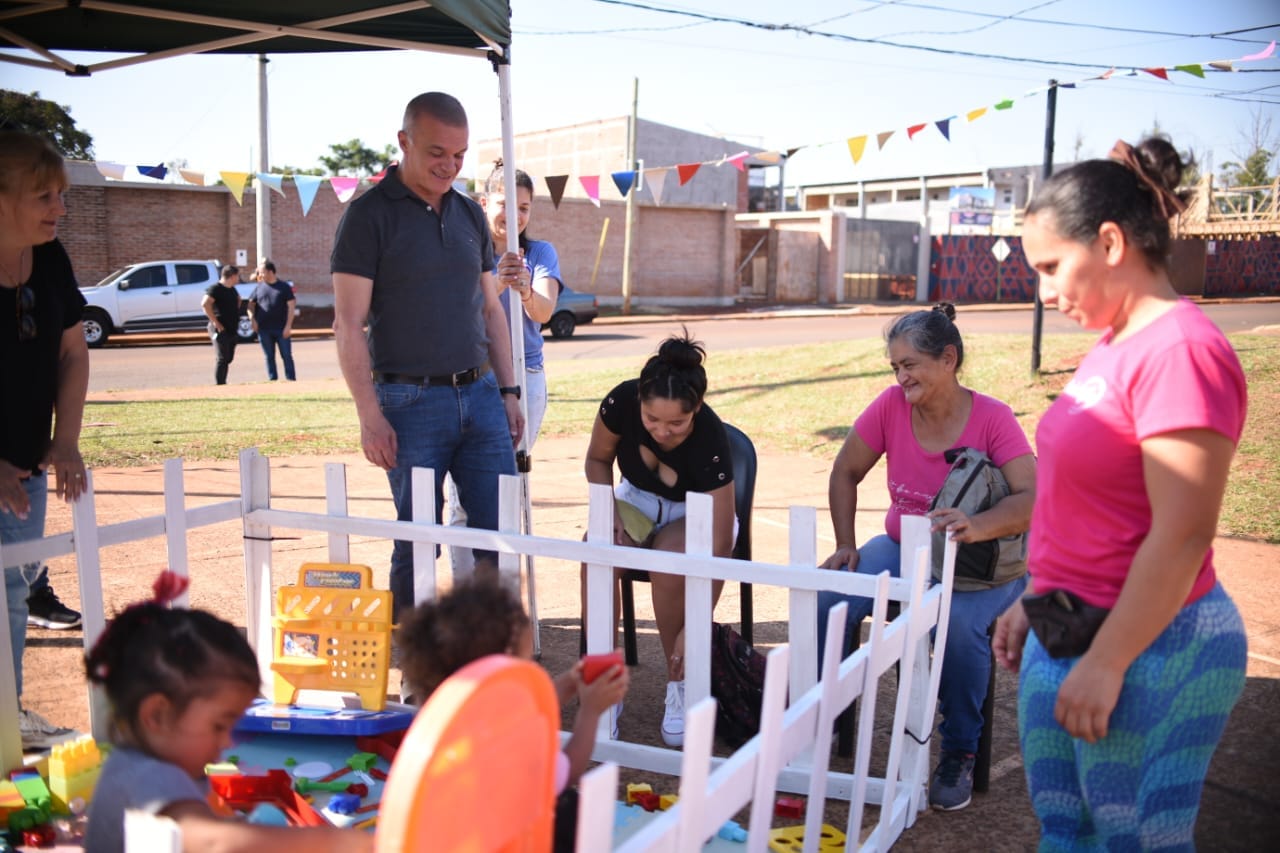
[{"x": 744, "y": 490}]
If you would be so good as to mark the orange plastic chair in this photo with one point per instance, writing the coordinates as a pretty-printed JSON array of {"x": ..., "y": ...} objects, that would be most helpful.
[{"x": 476, "y": 770}]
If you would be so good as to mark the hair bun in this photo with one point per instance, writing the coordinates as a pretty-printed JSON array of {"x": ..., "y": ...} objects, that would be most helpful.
[{"x": 946, "y": 308}]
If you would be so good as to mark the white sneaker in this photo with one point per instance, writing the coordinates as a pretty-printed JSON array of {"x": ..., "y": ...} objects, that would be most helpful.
[
  {"x": 673, "y": 719},
  {"x": 39, "y": 734}
]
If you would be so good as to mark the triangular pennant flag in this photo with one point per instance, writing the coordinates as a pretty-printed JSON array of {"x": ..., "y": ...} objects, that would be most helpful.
[
  {"x": 1194, "y": 70},
  {"x": 882, "y": 138},
  {"x": 769, "y": 156},
  {"x": 158, "y": 171},
  {"x": 1223, "y": 65},
  {"x": 110, "y": 170},
  {"x": 276, "y": 182},
  {"x": 623, "y": 181},
  {"x": 655, "y": 178},
  {"x": 944, "y": 127},
  {"x": 191, "y": 177},
  {"x": 914, "y": 129},
  {"x": 555, "y": 186},
  {"x": 1006, "y": 104},
  {"x": 739, "y": 160},
  {"x": 378, "y": 177},
  {"x": 1157, "y": 72},
  {"x": 791, "y": 152},
  {"x": 235, "y": 182},
  {"x": 974, "y": 115},
  {"x": 857, "y": 144},
  {"x": 1106, "y": 75},
  {"x": 307, "y": 186},
  {"x": 1262, "y": 54},
  {"x": 591, "y": 183},
  {"x": 687, "y": 171},
  {"x": 344, "y": 188}
]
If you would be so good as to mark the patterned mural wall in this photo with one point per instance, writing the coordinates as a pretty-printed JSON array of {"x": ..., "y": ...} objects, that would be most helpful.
[
  {"x": 963, "y": 269},
  {"x": 1242, "y": 267}
]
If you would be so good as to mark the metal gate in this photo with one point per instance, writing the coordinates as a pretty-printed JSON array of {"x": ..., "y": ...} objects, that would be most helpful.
[{"x": 880, "y": 260}]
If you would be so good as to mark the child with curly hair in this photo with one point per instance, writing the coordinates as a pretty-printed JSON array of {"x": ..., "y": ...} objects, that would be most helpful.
[
  {"x": 479, "y": 618},
  {"x": 177, "y": 681}
]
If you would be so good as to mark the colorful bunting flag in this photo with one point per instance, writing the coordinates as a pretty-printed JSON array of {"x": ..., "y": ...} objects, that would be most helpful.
[
  {"x": 555, "y": 187},
  {"x": 276, "y": 182},
  {"x": 914, "y": 129},
  {"x": 739, "y": 160},
  {"x": 1262, "y": 54},
  {"x": 110, "y": 170},
  {"x": 974, "y": 115},
  {"x": 882, "y": 138},
  {"x": 344, "y": 188},
  {"x": 1223, "y": 65},
  {"x": 791, "y": 152},
  {"x": 623, "y": 181},
  {"x": 1157, "y": 72},
  {"x": 656, "y": 178},
  {"x": 591, "y": 183},
  {"x": 307, "y": 186},
  {"x": 944, "y": 127},
  {"x": 769, "y": 156},
  {"x": 687, "y": 171},
  {"x": 1006, "y": 104},
  {"x": 857, "y": 144},
  {"x": 158, "y": 171},
  {"x": 1194, "y": 70},
  {"x": 191, "y": 177},
  {"x": 235, "y": 182}
]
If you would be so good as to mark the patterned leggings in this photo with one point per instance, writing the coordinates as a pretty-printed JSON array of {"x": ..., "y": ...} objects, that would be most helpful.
[{"x": 1139, "y": 787}]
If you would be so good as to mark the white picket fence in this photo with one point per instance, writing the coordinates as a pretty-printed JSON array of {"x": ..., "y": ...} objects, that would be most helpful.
[{"x": 791, "y": 752}]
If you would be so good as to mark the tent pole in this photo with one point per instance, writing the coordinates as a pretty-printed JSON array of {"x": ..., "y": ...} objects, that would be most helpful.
[
  {"x": 524, "y": 461},
  {"x": 261, "y": 195}
]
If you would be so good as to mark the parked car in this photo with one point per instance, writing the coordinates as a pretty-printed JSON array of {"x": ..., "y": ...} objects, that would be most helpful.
[
  {"x": 571, "y": 309},
  {"x": 156, "y": 296}
]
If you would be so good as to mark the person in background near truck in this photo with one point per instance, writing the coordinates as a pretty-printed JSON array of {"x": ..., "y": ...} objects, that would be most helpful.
[
  {"x": 271, "y": 309},
  {"x": 43, "y": 386},
  {"x": 222, "y": 306}
]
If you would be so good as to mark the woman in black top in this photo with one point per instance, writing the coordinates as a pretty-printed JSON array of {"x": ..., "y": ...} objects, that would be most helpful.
[{"x": 667, "y": 442}]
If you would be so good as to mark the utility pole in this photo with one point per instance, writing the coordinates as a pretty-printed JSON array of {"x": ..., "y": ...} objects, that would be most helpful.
[
  {"x": 1037, "y": 323},
  {"x": 629, "y": 224},
  {"x": 261, "y": 194}
]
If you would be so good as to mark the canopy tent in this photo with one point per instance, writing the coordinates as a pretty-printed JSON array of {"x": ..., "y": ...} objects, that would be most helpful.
[{"x": 151, "y": 30}]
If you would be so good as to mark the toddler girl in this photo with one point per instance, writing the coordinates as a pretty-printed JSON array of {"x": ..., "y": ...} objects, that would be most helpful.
[{"x": 177, "y": 681}]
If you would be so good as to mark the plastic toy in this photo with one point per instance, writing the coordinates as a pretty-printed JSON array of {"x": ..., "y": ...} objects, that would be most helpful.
[
  {"x": 788, "y": 807},
  {"x": 245, "y": 793},
  {"x": 790, "y": 839},
  {"x": 332, "y": 632},
  {"x": 732, "y": 831},
  {"x": 648, "y": 802},
  {"x": 343, "y": 803},
  {"x": 666, "y": 801},
  {"x": 73, "y": 772},
  {"x": 40, "y": 836},
  {"x": 637, "y": 788},
  {"x": 594, "y": 666}
]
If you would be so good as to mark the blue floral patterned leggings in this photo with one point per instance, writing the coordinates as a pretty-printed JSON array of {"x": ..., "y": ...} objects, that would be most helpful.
[{"x": 1139, "y": 787}]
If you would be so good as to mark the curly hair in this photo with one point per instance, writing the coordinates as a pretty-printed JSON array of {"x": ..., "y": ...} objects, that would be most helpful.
[
  {"x": 473, "y": 620},
  {"x": 676, "y": 372}
]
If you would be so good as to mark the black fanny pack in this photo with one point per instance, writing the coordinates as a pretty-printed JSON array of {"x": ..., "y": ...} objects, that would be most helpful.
[{"x": 1064, "y": 623}]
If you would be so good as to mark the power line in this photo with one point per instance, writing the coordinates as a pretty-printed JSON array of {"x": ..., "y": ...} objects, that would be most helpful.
[{"x": 803, "y": 30}]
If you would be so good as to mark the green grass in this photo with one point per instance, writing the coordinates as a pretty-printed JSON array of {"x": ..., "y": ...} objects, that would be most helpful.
[{"x": 799, "y": 399}]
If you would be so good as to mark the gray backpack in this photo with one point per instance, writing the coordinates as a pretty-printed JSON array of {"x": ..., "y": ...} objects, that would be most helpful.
[{"x": 974, "y": 485}]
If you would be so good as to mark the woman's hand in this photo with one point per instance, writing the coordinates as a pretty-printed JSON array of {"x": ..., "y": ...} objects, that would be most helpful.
[
  {"x": 958, "y": 525},
  {"x": 1011, "y": 637},
  {"x": 513, "y": 273},
  {"x": 844, "y": 559},
  {"x": 68, "y": 469},
  {"x": 1086, "y": 698},
  {"x": 13, "y": 497},
  {"x": 620, "y": 534}
]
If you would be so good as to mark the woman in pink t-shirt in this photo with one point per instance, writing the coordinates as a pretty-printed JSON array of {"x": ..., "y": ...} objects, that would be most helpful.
[
  {"x": 1136, "y": 654},
  {"x": 913, "y": 424}
]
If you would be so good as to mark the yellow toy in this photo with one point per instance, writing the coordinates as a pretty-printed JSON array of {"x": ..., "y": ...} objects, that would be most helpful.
[
  {"x": 786, "y": 839},
  {"x": 332, "y": 632},
  {"x": 73, "y": 772},
  {"x": 637, "y": 788}
]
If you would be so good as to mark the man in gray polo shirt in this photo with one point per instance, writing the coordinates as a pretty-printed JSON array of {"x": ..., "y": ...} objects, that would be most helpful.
[{"x": 413, "y": 259}]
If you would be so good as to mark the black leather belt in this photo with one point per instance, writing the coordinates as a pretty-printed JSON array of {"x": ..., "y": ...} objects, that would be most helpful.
[{"x": 466, "y": 377}]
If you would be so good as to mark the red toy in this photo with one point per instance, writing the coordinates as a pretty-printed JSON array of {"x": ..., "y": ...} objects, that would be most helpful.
[
  {"x": 41, "y": 836},
  {"x": 648, "y": 802},
  {"x": 788, "y": 807},
  {"x": 594, "y": 666}
]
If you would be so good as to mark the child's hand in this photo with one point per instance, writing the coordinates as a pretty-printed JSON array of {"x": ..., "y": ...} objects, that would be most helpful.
[
  {"x": 605, "y": 691},
  {"x": 566, "y": 684}
]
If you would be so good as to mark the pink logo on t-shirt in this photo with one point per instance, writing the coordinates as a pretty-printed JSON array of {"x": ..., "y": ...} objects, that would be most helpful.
[{"x": 1087, "y": 394}]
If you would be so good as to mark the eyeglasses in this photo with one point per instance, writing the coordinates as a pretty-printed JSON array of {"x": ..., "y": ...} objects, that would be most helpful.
[{"x": 25, "y": 305}]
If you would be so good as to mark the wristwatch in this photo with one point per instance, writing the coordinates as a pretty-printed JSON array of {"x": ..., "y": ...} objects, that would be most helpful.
[{"x": 510, "y": 389}]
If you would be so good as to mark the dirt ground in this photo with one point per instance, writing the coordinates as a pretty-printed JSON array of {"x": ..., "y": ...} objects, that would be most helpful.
[{"x": 1238, "y": 811}]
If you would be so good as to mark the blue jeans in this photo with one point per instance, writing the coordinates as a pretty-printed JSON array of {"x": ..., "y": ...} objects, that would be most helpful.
[
  {"x": 966, "y": 666},
  {"x": 459, "y": 430},
  {"x": 270, "y": 340},
  {"x": 19, "y": 580}
]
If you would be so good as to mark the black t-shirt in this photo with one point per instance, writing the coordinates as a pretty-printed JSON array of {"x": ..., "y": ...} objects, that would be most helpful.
[
  {"x": 29, "y": 369},
  {"x": 226, "y": 305},
  {"x": 702, "y": 461}
]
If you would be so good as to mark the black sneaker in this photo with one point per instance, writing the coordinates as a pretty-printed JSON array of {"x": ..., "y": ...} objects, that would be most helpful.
[
  {"x": 44, "y": 610},
  {"x": 951, "y": 787}
]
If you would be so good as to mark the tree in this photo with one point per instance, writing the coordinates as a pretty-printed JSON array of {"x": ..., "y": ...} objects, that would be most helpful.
[
  {"x": 354, "y": 159},
  {"x": 295, "y": 170},
  {"x": 1253, "y": 159},
  {"x": 35, "y": 114}
]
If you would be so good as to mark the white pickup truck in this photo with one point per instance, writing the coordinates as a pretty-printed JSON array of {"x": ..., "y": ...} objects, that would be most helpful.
[{"x": 156, "y": 296}]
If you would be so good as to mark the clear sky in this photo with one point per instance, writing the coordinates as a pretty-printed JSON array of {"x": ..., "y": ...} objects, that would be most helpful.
[{"x": 574, "y": 61}]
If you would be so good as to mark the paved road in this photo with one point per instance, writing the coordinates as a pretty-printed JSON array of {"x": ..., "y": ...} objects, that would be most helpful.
[{"x": 187, "y": 361}]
